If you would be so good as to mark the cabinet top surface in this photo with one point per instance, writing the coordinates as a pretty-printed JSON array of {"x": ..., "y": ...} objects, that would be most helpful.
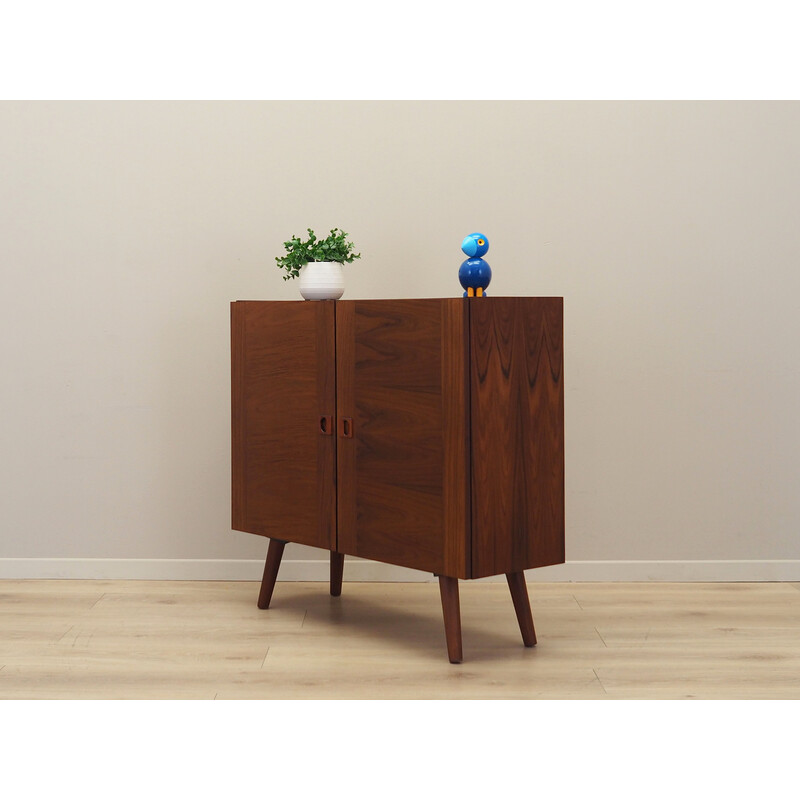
[{"x": 395, "y": 299}]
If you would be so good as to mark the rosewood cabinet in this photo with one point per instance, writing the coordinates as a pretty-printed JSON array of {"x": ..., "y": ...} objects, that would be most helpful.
[{"x": 423, "y": 433}]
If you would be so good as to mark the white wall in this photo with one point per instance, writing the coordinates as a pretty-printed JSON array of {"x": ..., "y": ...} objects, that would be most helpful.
[{"x": 669, "y": 228}]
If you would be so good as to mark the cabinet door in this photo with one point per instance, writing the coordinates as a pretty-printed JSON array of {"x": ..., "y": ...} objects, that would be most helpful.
[
  {"x": 402, "y": 382},
  {"x": 283, "y": 461}
]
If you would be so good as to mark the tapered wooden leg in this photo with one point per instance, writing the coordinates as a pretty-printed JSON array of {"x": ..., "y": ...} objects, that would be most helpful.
[
  {"x": 519, "y": 595},
  {"x": 451, "y": 610},
  {"x": 337, "y": 568},
  {"x": 274, "y": 554}
]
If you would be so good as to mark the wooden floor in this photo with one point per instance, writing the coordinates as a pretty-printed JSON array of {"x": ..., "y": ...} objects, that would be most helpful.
[{"x": 193, "y": 639}]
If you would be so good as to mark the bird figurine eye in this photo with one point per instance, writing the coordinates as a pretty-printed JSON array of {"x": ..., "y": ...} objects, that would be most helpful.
[{"x": 480, "y": 242}]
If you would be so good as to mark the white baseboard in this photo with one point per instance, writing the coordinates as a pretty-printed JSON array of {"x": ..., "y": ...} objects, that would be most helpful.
[{"x": 356, "y": 569}]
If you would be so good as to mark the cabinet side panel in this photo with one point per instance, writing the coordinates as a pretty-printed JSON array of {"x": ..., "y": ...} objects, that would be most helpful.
[
  {"x": 283, "y": 382},
  {"x": 238, "y": 511},
  {"x": 517, "y": 408}
]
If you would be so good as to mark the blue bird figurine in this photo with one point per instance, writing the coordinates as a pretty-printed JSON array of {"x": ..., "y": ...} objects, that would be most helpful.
[{"x": 475, "y": 274}]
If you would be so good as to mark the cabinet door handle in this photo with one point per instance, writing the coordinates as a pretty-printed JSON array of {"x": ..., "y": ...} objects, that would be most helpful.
[
  {"x": 346, "y": 427},
  {"x": 326, "y": 426}
]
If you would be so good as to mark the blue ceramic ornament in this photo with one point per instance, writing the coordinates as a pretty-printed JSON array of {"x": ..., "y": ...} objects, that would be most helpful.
[
  {"x": 475, "y": 274},
  {"x": 475, "y": 245}
]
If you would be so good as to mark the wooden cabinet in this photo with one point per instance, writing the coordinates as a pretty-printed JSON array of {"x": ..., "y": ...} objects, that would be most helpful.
[{"x": 424, "y": 433}]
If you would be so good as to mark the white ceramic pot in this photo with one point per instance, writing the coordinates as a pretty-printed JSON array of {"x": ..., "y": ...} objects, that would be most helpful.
[{"x": 322, "y": 280}]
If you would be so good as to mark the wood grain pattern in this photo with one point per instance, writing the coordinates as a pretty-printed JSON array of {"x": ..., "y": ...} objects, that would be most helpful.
[
  {"x": 451, "y": 612},
  {"x": 402, "y": 477},
  {"x": 271, "y": 567},
  {"x": 283, "y": 382},
  {"x": 237, "y": 419},
  {"x": 456, "y": 438},
  {"x": 136, "y": 639},
  {"x": 337, "y": 571},
  {"x": 346, "y": 520},
  {"x": 517, "y": 421},
  {"x": 522, "y": 606}
]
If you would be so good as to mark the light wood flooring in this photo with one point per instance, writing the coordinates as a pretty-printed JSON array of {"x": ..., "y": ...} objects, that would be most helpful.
[{"x": 208, "y": 640}]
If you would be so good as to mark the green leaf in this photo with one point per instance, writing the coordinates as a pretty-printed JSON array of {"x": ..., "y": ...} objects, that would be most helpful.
[{"x": 334, "y": 247}]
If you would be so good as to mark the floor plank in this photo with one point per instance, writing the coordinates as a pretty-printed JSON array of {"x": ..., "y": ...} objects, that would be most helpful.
[{"x": 207, "y": 639}]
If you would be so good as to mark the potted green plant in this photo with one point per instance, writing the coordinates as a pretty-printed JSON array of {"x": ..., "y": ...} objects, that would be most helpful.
[{"x": 318, "y": 263}]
